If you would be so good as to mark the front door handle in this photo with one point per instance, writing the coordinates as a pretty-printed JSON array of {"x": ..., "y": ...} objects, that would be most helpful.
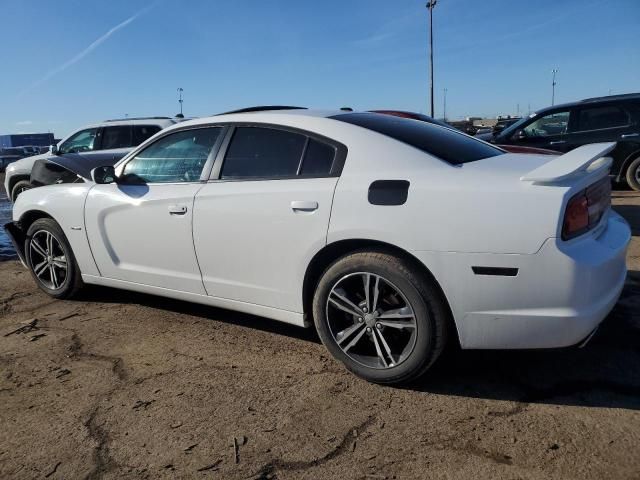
[
  {"x": 558, "y": 142},
  {"x": 630, "y": 135},
  {"x": 177, "y": 210},
  {"x": 303, "y": 206}
]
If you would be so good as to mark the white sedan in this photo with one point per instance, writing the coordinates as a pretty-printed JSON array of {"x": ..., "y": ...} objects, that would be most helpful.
[{"x": 389, "y": 235}]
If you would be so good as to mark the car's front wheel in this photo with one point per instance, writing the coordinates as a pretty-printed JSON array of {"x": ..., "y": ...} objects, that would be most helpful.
[
  {"x": 633, "y": 174},
  {"x": 51, "y": 260},
  {"x": 380, "y": 316},
  {"x": 20, "y": 187}
]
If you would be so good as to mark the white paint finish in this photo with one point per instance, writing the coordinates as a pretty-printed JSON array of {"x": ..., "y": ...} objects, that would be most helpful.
[
  {"x": 65, "y": 204},
  {"x": 569, "y": 164},
  {"x": 135, "y": 237},
  {"x": 254, "y": 239},
  {"x": 253, "y": 245},
  {"x": 560, "y": 294},
  {"x": 261, "y": 310}
]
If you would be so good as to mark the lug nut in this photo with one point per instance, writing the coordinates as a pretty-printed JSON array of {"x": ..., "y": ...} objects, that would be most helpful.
[
  {"x": 359, "y": 319},
  {"x": 369, "y": 329},
  {"x": 378, "y": 326},
  {"x": 364, "y": 309}
]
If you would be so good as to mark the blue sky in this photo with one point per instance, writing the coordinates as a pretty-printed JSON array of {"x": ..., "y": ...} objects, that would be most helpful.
[{"x": 70, "y": 62}]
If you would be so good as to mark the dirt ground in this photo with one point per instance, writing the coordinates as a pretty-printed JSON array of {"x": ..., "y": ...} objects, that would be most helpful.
[{"x": 121, "y": 385}]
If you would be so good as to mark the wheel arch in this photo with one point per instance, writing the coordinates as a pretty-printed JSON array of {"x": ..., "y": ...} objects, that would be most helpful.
[
  {"x": 622, "y": 173},
  {"x": 15, "y": 179},
  {"x": 19, "y": 229},
  {"x": 333, "y": 251}
]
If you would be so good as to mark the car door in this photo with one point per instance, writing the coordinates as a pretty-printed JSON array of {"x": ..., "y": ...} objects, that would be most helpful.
[
  {"x": 140, "y": 228},
  {"x": 549, "y": 130},
  {"x": 265, "y": 213}
]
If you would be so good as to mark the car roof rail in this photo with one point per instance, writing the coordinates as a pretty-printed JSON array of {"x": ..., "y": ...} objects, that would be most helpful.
[
  {"x": 621, "y": 96},
  {"x": 136, "y": 118},
  {"x": 263, "y": 108}
]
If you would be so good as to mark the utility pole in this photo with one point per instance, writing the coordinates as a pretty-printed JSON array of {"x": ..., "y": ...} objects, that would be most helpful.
[
  {"x": 180, "y": 90},
  {"x": 553, "y": 87},
  {"x": 444, "y": 109},
  {"x": 430, "y": 6}
]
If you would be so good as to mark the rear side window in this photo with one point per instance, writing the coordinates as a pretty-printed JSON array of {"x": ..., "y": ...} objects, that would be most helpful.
[
  {"x": 598, "y": 118},
  {"x": 257, "y": 152},
  {"x": 143, "y": 132},
  {"x": 446, "y": 144},
  {"x": 318, "y": 158},
  {"x": 116, "y": 137}
]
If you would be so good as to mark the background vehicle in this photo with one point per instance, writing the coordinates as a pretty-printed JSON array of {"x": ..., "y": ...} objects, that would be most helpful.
[
  {"x": 6, "y": 159},
  {"x": 116, "y": 137},
  {"x": 614, "y": 118},
  {"x": 428, "y": 119},
  {"x": 339, "y": 217}
]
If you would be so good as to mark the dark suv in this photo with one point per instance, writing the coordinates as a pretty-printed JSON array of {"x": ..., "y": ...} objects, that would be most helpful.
[{"x": 614, "y": 118}]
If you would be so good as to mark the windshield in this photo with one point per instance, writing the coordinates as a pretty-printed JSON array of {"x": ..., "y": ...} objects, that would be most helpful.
[
  {"x": 509, "y": 130},
  {"x": 444, "y": 143}
]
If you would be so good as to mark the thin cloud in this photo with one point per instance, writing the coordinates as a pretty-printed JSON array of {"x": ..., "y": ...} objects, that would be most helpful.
[
  {"x": 25, "y": 122},
  {"x": 87, "y": 50}
]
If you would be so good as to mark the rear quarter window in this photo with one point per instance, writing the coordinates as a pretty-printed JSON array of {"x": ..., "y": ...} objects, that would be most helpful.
[{"x": 446, "y": 144}]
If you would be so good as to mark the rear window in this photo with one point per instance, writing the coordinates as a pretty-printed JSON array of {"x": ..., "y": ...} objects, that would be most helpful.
[{"x": 446, "y": 144}]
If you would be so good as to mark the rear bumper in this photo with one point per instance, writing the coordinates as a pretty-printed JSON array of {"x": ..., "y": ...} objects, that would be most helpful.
[
  {"x": 557, "y": 298},
  {"x": 17, "y": 237}
]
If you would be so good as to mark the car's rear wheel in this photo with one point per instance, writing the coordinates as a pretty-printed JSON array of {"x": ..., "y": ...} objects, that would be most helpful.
[
  {"x": 20, "y": 187},
  {"x": 633, "y": 174},
  {"x": 380, "y": 316},
  {"x": 51, "y": 260}
]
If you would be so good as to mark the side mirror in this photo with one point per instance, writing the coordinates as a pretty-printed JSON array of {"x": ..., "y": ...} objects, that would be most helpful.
[
  {"x": 103, "y": 175},
  {"x": 519, "y": 135},
  {"x": 53, "y": 149}
]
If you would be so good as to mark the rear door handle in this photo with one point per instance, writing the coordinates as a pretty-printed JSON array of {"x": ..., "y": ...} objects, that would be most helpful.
[
  {"x": 558, "y": 142},
  {"x": 303, "y": 206},
  {"x": 177, "y": 210},
  {"x": 629, "y": 135}
]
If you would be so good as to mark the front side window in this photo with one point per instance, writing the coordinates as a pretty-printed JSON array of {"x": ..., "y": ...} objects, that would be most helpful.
[
  {"x": 598, "y": 118},
  {"x": 116, "y": 137},
  {"x": 178, "y": 157},
  {"x": 83, "y": 141},
  {"x": 263, "y": 153},
  {"x": 548, "y": 125}
]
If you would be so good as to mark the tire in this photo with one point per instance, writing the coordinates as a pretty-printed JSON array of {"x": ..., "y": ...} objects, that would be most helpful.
[
  {"x": 20, "y": 187},
  {"x": 633, "y": 174},
  {"x": 48, "y": 256},
  {"x": 401, "y": 288}
]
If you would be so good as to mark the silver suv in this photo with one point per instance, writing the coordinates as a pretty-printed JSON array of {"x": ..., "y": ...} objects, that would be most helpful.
[{"x": 115, "y": 137}]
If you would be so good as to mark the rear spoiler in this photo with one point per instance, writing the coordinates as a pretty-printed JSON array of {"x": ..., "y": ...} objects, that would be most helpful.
[{"x": 589, "y": 157}]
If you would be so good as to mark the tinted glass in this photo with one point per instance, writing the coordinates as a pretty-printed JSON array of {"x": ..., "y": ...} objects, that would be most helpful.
[
  {"x": 82, "y": 141},
  {"x": 552, "y": 124},
  {"x": 178, "y": 157},
  {"x": 116, "y": 137},
  {"x": 602, "y": 117},
  {"x": 263, "y": 153},
  {"x": 143, "y": 132},
  {"x": 445, "y": 143},
  {"x": 318, "y": 159}
]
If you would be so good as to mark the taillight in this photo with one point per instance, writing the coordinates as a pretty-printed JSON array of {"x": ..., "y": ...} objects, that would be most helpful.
[{"x": 586, "y": 208}]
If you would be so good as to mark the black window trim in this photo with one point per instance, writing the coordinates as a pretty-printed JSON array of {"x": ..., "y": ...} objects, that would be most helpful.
[
  {"x": 336, "y": 168},
  {"x": 208, "y": 166}
]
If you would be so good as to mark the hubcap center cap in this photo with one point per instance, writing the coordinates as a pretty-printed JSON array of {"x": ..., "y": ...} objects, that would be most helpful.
[{"x": 370, "y": 319}]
